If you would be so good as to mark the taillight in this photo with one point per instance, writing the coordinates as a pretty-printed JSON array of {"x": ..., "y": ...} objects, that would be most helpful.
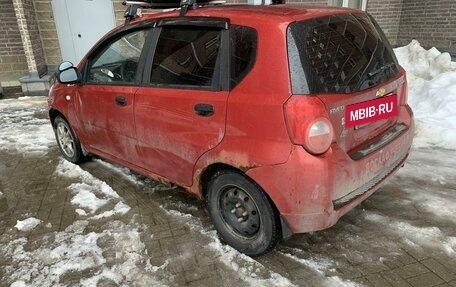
[
  {"x": 308, "y": 124},
  {"x": 319, "y": 136}
]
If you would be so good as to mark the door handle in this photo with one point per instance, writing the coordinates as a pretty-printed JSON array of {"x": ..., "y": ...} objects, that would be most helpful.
[
  {"x": 121, "y": 101},
  {"x": 204, "y": 110}
]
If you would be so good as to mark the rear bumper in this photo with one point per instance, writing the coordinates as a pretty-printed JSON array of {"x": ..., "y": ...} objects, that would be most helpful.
[{"x": 313, "y": 192}]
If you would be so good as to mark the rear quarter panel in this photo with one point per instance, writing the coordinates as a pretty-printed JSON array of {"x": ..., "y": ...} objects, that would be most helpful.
[{"x": 256, "y": 133}]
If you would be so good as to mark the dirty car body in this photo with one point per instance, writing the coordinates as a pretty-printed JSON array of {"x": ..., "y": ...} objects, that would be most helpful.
[{"x": 282, "y": 118}]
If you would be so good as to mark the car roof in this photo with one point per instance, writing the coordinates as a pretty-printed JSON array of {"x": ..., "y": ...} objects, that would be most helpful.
[{"x": 270, "y": 13}]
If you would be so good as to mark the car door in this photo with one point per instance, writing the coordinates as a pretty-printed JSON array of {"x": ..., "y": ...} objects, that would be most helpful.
[
  {"x": 107, "y": 96},
  {"x": 180, "y": 112}
]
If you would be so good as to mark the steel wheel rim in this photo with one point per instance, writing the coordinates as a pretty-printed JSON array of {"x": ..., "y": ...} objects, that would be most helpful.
[
  {"x": 66, "y": 140},
  {"x": 239, "y": 211}
]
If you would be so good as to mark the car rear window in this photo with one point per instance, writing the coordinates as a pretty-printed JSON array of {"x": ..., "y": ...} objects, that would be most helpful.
[{"x": 338, "y": 54}]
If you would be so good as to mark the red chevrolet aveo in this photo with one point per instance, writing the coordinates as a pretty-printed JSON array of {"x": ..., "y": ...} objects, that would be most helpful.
[{"x": 282, "y": 118}]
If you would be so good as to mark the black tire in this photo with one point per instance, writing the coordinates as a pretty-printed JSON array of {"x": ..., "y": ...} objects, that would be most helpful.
[
  {"x": 68, "y": 142},
  {"x": 242, "y": 214}
]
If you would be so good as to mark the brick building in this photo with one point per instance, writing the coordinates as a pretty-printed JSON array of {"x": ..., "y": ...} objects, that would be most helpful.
[{"x": 34, "y": 36}]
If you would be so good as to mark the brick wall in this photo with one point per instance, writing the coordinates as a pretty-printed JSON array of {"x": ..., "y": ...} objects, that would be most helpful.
[
  {"x": 431, "y": 22},
  {"x": 388, "y": 15},
  {"x": 30, "y": 33},
  {"x": 12, "y": 58},
  {"x": 119, "y": 10},
  {"x": 48, "y": 32}
]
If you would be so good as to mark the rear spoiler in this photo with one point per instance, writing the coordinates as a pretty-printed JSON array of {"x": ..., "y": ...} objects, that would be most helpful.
[{"x": 133, "y": 6}]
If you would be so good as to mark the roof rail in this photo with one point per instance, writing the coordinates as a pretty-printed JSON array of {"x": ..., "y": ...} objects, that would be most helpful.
[
  {"x": 132, "y": 11},
  {"x": 184, "y": 6}
]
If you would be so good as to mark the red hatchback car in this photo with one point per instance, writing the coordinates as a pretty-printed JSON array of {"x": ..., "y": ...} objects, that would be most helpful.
[{"x": 282, "y": 118}]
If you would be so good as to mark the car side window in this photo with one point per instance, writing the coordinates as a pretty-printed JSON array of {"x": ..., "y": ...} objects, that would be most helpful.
[
  {"x": 243, "y": 52},
  {"x": 187, "y": 56},
  {"x": 118, "y": 61}
]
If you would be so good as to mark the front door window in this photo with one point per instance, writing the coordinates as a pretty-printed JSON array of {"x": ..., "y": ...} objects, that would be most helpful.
[{"x": 118, "y": 62}]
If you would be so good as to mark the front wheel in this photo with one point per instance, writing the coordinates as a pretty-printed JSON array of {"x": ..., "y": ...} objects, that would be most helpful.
[
  {"x": 69, "y": 144},
  {"x": 242, "y": 214}
]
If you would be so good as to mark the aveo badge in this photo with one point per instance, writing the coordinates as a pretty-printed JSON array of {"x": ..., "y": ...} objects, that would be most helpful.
[{"x": 371, "y": 111}]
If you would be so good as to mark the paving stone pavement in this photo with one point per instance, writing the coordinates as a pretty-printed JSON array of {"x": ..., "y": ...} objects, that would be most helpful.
[{"x": 389, "y": 240}]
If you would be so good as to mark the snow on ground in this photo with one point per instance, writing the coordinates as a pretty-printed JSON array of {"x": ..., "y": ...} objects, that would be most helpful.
[
  {"x": 429, "y": 236},
  {"x": 426, "y": 183},
  {"x": 91, "y": 194},
  {"x": 21, "y": 129},
  {"x": 319, "y": 265},
  {"x": 27, "y": 224},
  {"x": 427, "y": 178},
  {"x": 246, "y": 267},
  {"x": 432, "y": 94},
  {"x": 75, "y": 250},
  {"x": 123, "y": 171}
]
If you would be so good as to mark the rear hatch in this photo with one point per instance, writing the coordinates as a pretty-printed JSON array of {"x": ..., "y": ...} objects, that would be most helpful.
[{"x": 346, "y": 61}]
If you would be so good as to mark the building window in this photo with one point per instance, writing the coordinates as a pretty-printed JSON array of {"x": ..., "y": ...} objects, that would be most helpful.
[{"x": 357, "y": 4}]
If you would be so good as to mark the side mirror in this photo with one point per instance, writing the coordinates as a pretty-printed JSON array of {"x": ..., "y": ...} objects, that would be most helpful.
[
  {"x": 65, "y": 65},
  {"x": 67, "y": 73}
]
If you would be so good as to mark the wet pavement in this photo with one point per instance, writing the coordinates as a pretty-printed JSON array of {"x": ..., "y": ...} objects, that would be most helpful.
[{"x": 150, "y": 234}]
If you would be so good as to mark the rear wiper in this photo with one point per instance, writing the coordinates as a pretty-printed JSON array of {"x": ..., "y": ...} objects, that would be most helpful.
[{"x": 380, "y": 70}]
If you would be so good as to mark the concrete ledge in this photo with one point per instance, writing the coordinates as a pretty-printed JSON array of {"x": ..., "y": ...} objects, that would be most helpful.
[
  {"x": 10, "y": 89},
  {"x": 33, "y": 85}
]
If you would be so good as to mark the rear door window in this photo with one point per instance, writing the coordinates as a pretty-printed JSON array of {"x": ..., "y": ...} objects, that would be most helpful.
[
  {"x": 338, "y": 54},
  {"x": 187, "y": 56},
  {"x": 243, "y": 42}
]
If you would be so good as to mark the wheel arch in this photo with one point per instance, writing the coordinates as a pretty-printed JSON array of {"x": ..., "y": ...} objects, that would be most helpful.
[
  {"x": 53, "y": 113},
  {"x": 212, "y": 170}
]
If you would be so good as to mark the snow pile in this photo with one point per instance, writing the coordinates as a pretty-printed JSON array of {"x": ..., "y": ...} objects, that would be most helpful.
[
  {"x": 27, "y": 224},
  {"x": 432, "y": 94},
  {"x": 21, "y": 130},
  {"x": 91, "y": 194}
]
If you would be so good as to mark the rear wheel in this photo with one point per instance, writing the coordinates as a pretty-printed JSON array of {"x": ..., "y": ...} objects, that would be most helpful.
[
  {"x": 67, "y": 141},
  {"x": 242, "y": 214}
]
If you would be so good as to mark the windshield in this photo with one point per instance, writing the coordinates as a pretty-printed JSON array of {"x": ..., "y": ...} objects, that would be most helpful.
[{"x": 338, "y": 54}]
